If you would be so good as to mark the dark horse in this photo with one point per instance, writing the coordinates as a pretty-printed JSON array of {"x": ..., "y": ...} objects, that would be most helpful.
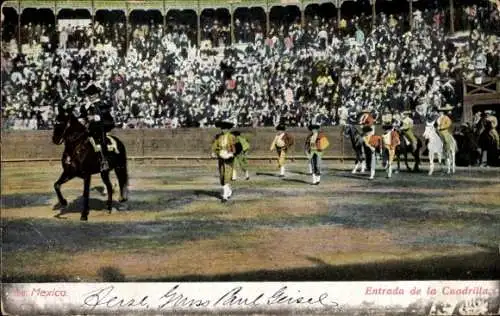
[
  {"x": 488, "y": 146},
  {"x": 363, "y": 153},
  {"x": 80, "y": 160},
  {"x": 468, "y": 150},
  {"x": 406, "y": 148}
]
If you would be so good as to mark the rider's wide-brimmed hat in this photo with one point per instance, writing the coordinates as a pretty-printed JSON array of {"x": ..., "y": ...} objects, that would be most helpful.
[
  {"x": 224, "y": 124},
  {"x": 92, "y": 89},
  {"x": 367, "y": 129},
  {"x": 313, "y": 127},
  {"x": 281, "y": 127},
  {"x": 446, "y": 108}
]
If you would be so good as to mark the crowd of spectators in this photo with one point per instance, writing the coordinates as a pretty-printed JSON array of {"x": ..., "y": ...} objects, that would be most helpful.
[{"x": 321, "y": 70}]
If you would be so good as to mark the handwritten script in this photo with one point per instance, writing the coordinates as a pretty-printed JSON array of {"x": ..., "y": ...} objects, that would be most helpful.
[{"x": 175, "y": 298}]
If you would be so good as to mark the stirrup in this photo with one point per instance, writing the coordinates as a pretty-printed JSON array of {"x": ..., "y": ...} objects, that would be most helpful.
[{"x": 104, "y": 165}]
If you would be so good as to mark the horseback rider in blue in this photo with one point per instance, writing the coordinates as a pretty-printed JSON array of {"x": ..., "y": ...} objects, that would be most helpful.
[{"x": 96, "y": 115}]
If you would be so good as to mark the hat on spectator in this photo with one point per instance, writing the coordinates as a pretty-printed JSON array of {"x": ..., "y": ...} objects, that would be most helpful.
[
  {"x": 446, "y": 108},
  {"x": 92, "y": 88}
]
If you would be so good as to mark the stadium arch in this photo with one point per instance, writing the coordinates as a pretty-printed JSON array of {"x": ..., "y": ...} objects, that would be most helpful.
[{"x": 198, "y": 6}]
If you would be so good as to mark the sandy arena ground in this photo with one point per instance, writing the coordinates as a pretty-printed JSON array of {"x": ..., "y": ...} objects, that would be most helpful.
[{"x": 174, "y": 227}]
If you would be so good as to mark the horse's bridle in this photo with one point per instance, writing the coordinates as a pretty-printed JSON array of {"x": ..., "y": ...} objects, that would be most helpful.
[
  {"x": 68, "y": 124},
  {"x": 73, "y": 139}
]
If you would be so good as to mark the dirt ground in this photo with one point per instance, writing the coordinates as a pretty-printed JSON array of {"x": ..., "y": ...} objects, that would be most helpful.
[{"x": 174, "y": 226}]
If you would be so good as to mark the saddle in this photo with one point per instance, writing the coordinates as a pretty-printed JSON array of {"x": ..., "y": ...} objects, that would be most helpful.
[
  {"x": 391, "y": 140},
  {"x": 373, "y": 141},
  {"x": 112, "y": 145}
]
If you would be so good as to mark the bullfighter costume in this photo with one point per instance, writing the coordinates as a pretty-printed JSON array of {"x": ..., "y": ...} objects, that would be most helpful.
[
  {"x": 315, "y": 145},
  {"x": 240, "y": 157},
  {"x": 443, "y": 124},
  {"x": 224, "y": 148},
  {"x": 282, "y": 142},
  {"x": 407, "y": 130}
]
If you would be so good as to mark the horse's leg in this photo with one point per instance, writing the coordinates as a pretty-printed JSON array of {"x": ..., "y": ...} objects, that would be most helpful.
[
  {"x": 364, "y": 161},
  {"x": 86, "y": 192},
  {"x": 65, "y": 177},
  {"x": 109, "y": 189},
  {"x": 453, "y": 164},
  {"x": 440, "y": 160},
  {"x": 416, "y": 155},
  {"x": 373, "y": 165},
  {"x": 398, "y": 159},
  {"x": 448, "y": 163},
  {"x": 122, "y": 175},
  {"x": 389, "y": 162},
  {"x": 406, "y": 161},
  {"x": 356, "y": 164},
  {"x": 431, "y": 163}
]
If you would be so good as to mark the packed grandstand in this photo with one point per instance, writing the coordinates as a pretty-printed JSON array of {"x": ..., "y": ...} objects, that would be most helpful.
[{"x": 289, "y": 63}]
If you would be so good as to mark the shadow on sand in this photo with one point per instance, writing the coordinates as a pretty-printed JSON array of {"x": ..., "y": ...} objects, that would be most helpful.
[{"x": 477, "y": 266}]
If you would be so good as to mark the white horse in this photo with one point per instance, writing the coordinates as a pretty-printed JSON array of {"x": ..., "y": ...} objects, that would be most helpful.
[{"x": 436, "y": 148}]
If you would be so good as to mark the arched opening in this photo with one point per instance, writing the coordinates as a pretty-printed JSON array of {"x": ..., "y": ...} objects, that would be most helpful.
[
  {"x": 145, "y": 23},
  {"x": 320, "y": 16},
  {"x": 110, "y": 29},
  {"x": 182, "y": 22},
  {"x": 38, "y": 27},
  {"x": 146, "y": 32},
  {"x": 283, "y": 17},
  {"x": 9, "y": 24},
  {"x": 74, "y": 28},
  {"x": 399, "y": 10},
  {"x": 215, "y": 26},
  {"x": 248, "y": 22}
]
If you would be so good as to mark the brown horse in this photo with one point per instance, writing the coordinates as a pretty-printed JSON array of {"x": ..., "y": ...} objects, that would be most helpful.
[
  {"x": 375, "y": 144},
  {"x": 81, "y": 160}
]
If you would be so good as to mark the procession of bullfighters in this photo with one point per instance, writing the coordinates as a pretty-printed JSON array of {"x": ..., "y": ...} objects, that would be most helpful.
[{"x": 173, "y": 141}]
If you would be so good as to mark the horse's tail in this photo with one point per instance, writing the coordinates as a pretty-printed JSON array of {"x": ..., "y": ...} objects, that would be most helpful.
[{"x": 121, "y": 170}]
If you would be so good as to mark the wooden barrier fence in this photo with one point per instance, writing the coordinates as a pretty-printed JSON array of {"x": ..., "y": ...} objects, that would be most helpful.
[{"x": 173, "y": 144}]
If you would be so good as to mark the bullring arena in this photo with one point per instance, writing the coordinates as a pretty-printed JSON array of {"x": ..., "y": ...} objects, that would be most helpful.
[{"x": 174, "y": 227}]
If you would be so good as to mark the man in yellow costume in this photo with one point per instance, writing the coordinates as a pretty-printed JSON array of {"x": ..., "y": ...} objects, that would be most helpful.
[
  {"x": 407, "y": 130},
  {"x": 443, "y": 124},
  {"x": 240, "y": 156},
  {"x": 224, "y": 148},
  {"x": 282, "y": 142}
]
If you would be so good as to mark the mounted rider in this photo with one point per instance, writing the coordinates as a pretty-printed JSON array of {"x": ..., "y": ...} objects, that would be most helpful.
[
  {"x": 96, "y": 115},
  {"x": 443, "y": 124},
  {"x": 407, "y": 129}
]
